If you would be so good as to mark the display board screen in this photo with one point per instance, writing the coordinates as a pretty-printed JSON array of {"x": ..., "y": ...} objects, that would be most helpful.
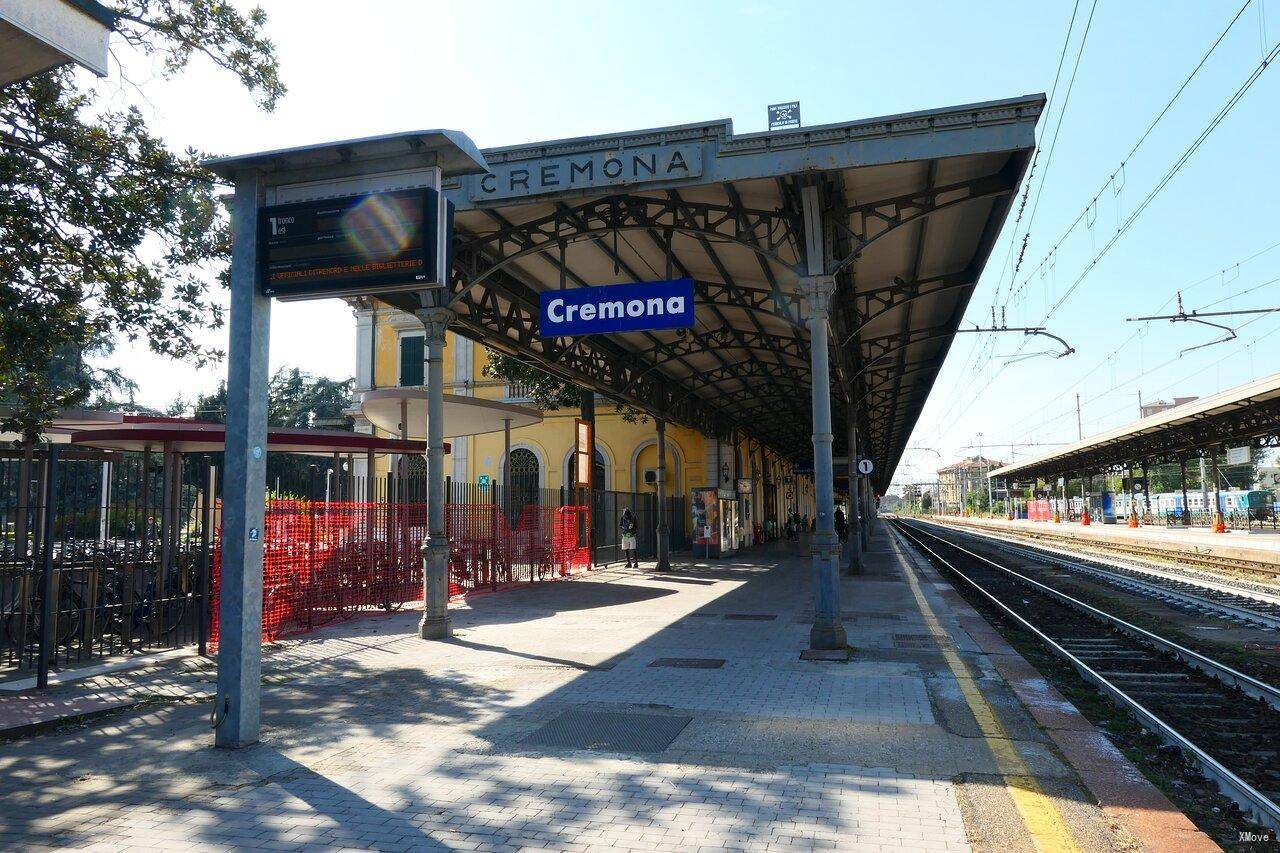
[{"x": 372, "y": 243}]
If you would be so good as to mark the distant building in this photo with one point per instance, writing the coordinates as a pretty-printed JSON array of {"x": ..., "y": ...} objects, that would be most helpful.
[
  {"x": 964, "y": 477},
  {"x": 1157, "y": 406}
]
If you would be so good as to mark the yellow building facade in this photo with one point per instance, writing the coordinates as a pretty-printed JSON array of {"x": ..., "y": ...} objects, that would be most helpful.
[{"x": 389, "y": 354}]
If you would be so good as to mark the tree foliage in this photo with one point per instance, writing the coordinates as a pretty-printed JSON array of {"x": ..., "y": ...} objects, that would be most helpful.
[
  {"x": 295, "y": 399},
  {"x": 105, "y": 233}
]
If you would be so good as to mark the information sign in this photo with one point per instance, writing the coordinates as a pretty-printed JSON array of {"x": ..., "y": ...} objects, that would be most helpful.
[
  {"x": 1238, "y": 455},
  {"x": 582, "y": 454},
  {"x": 616, "y": 308},
  {"x": 371, "y": 243}
]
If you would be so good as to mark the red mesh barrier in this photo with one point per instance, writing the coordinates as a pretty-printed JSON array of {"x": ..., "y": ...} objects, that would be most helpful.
[{"x": 328, "y": 561}]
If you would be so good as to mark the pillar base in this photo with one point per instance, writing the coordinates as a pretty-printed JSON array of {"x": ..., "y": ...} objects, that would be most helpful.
[
  {"x": 827, "y": 636},
  {"x": 435, "y": 629}
]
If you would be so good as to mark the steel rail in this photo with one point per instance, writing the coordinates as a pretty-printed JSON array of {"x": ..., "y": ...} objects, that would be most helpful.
[
  {"x": 1095, "y": 565},
  {"x": 1254, "y": 802}
]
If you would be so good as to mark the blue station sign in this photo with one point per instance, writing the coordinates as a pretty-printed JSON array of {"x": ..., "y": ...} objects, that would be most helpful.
[{"x": 616, "y": 308}]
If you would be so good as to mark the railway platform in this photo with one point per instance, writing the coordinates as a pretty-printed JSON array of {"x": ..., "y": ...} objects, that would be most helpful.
[
  {"x": 626, "y": 709},
  {"x": 1260, "y": 551}
]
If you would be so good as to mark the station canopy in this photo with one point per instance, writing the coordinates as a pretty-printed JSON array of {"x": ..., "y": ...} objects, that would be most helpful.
[
  {"x": 1239, "y": 416},
  {"x": 911, "y": 205}
]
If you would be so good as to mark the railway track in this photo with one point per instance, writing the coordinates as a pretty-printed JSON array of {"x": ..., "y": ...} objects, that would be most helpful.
[
  {"x": 1226, "y": 722},
  {"x": 1148, "y": 551},
  {"x": 1188, "y": 592}
]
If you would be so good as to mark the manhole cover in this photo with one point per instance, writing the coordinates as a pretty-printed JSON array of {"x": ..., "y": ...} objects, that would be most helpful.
[
  {"x": 690, "y": 663},
  {"x": 914, "y": 641},
  {"x": 752, "y": 617},
  {"x": 610, "y": 731}
]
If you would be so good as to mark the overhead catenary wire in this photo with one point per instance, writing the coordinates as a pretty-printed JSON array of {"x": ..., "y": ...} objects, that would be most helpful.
[{"x": 1173, "y": 170}]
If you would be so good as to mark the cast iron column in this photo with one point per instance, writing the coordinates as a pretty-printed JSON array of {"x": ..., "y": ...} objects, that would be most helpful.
[
  {"x": 854, "y": 563},
  {"x": 236, "y": 710},
  {"x": 664, "y": 546},
  {"x": 827, "y": 632},
  {"x": 435, "y": 549}
]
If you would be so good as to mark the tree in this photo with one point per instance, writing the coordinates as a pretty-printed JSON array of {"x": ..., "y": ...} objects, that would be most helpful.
[
  {"x": 104, "y": 232},
  {"x": 926, "y": 503},
  {"x": 295, "y": 399}
]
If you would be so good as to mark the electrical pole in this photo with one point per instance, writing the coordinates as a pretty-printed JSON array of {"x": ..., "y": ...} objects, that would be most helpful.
[{"x": 1080, "y": 423}]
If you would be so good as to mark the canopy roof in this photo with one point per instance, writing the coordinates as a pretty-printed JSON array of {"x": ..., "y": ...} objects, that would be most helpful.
[
  {"x": 907, "y": 209},
  {"x": 462, "y": 415},
  {"x": 1236, "y": 416},
  {"x": 184, "y": 435}
]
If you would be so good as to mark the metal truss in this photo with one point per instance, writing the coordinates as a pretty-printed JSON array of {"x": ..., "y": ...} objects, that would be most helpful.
[
  {"x": 758, "y": 381},
  {"x": 765, "y": 232},
  {"x": 869, "y": 222}
]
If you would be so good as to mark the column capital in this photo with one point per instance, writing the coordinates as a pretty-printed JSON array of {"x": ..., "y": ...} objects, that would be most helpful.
[
  {"x": 817, "y": 290},
  {"x": 435, "y": 322}
]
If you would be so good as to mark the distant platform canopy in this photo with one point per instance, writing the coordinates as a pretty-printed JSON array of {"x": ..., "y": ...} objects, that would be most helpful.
[
  {"x": 911, "y": 206},
  {"x": 1248, "y": 414}
]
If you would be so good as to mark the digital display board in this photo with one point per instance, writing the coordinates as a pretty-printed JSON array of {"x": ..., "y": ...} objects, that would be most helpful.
[{"x": 372, "y": 243}]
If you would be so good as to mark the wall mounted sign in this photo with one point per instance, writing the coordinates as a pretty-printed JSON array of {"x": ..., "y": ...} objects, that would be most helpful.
[
  {"x": 372, "y": 243},
  {"x": 606, "y": 168},
  {"x": 616, "y": 308},
  {"x": 1238, "y": 455}
]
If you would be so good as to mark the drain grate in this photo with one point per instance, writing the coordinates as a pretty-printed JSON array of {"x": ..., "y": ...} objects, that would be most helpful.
[
  {"x": 610, "y": 731},
  {"x": 752, "y": 617},
  {"x": 705, "y": 615},
  {"x": 914, "y": 641},
  {"x": 690, "y": 663},
  {"x": 695, "y": 581}
]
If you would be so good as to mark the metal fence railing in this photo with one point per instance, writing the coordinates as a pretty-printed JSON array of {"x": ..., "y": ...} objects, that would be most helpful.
[{"x": 109, "y": 553}]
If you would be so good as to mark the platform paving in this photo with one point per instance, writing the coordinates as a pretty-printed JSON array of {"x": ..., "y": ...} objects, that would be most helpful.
[{"x": 374, "y": 739}]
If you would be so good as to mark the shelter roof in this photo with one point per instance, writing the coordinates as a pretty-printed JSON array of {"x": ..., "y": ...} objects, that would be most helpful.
[
  {"x": 1237, "y": 415},
  {"x": 907, "y": 209},
  {"x": 189, "y": 436},
  {"x": 912, "y": 203}
]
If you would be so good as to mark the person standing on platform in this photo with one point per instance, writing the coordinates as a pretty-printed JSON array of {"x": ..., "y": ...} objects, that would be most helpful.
[
  {"x": 627, "y": 527},
  {"x": 842, "y": 526}
]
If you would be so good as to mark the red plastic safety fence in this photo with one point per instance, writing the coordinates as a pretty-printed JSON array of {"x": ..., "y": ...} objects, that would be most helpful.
[{"x": 327, "y": 561}]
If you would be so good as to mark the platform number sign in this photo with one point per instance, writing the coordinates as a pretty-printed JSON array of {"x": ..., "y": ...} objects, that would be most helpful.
[
  {"x": 786, "y": 115},
  {"x": 865, "y": 466}
]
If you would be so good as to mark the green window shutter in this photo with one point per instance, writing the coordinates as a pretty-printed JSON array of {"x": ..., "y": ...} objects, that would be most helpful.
[{"x": 411, "y": 353}]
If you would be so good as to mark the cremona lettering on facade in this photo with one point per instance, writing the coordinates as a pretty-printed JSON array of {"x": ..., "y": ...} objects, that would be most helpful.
[{"x": 593, "y": 169}]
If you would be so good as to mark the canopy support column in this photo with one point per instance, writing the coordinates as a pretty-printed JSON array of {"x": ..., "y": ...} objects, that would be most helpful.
[
  {"x": 827, "y": 632},
  {"x": 853, "y": 546},
  {"x": 435, "y": 549},
  {"x": 237, "y": 707},
  {"x": 664, "y": 545},
  {"x": 1186, "y": 507}
]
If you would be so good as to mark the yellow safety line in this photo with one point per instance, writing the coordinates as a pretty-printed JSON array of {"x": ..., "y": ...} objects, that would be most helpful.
[{"x": 1047, "y": 829}]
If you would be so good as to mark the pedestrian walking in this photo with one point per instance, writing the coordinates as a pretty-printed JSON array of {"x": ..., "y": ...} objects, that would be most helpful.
[{"x": 627, "y": 527}]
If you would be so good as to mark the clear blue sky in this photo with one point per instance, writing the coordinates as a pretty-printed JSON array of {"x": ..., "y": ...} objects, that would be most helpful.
[{"x": 513, "y": 72}]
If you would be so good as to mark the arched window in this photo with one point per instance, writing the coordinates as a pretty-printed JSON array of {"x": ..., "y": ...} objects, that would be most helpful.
[{"x": 522, "y": 477}]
